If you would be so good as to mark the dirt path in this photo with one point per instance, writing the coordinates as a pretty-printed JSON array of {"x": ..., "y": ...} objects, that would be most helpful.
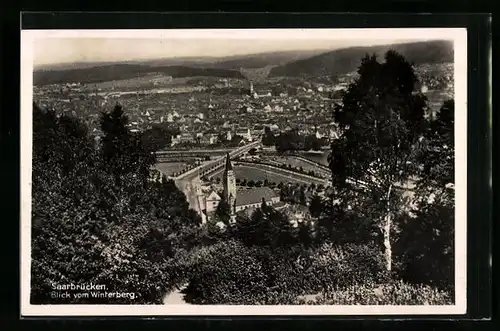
[{"x": 175, "y": 297}]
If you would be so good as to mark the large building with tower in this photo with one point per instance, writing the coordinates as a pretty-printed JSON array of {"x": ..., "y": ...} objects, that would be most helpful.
[{"x": 240, "y": 200}]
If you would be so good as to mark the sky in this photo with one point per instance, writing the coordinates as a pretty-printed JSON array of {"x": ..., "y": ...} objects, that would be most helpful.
[{"x": 92, "y": 47}]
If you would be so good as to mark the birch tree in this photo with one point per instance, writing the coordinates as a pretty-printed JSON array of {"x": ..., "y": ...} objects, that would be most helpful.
[{"x": 382, "y": 119}]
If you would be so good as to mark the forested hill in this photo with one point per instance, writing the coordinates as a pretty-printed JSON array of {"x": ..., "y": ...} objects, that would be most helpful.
[
  {"x": 123, "y": 71},
  {"x": 346, "y": 60},
  {"x": 262, "y": 60}
]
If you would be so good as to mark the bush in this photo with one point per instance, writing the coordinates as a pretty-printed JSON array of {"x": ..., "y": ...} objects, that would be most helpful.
[
  {"x": 424, "y": 250},
  {"x": 228, "y": 274},
  {"x": 97, "y": 218},
  {"x": 397, "y": 293},
  {"x": 336, "y": 267},
  {"x": 232, "y": 273}
]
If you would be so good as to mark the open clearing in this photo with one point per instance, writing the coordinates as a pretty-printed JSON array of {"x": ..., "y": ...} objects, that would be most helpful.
[
  {"x": 252, "y": 173},
  {"x": 294, "y": 162}
]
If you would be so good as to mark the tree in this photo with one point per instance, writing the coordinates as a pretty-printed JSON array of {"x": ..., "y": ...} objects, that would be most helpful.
[
  {"x": 382, "y": 117},
  {"x": 158, "y": 137},
  {"x": 316, "y": 144},
  {"x": 437, "y": 152},
  {"x": 425, "y": 246},
  {"x": 223, "y": 211},
  {"x": 302, "y": 196},
  {"x": 305, "y": 234},
  {"x": 123, "y": 151},
  {"x": 266, "y": 227},
  {"x": 316, "y": 206},
  {"x": 79, "y": 231},
  {"x": 268, "y": 138}
]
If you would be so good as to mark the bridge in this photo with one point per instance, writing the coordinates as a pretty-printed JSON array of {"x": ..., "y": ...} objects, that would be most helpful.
[
  {"x": 190, "y": 153},
  {"x": 218, "y": 163}
]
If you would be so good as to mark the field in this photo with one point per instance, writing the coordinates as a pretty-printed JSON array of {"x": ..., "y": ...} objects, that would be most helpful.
[
  {"x": 250, "y": 173},
  {"x": 295, "y": 163},
  {"x": 316, "y": 157},
  {"x": 151, "y": 81},
  {"x": 136, "y": 82},
  {"x": 169, "y": 168}
]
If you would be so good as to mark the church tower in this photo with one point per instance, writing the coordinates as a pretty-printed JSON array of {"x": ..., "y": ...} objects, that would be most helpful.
[{"x": 229, "y": 181}]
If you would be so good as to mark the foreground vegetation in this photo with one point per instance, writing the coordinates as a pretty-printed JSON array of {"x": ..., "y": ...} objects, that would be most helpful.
[{"x": 101, "y": 215}]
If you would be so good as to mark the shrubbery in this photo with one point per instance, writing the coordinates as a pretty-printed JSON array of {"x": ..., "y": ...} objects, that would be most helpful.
[
  {"x": 339, "y": 266},
  {"x": 97, "y": 215},
  {"x": 393, "y": 293},
  {"x": 230, "y": 272}
]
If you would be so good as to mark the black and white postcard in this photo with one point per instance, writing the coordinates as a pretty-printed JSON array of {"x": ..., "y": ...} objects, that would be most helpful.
[{"x": 243, "y": 172}]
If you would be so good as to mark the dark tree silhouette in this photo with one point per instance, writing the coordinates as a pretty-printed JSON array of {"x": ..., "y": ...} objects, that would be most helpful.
[
  {"x": 223, "y": 212},
  {"x": 316, "y": 206},
  {"x": 425, "y": 246},
  {"x": 382, "y": 118},
  {"x": 87, "y": 228}
]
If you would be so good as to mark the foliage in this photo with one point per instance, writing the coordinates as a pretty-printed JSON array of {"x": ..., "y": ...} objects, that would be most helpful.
[
  {"x": 223, "y": 211},
  {"x": 266, "y": 227},
  {"x": 122, "y": 151},
  {"x": 233, "y": 273},
  {"x": 382, "y": 119},
  {"x": 396, "y": 293},
  {"x": 316, "y": 206},
  {"x": 98, "y": 217},
  {"x": 293, "y": 194},
  {"x": 425, "y": 246},
  {"x": 291, "y": 141},
  {"x": 229, "y": 274},
  {"x": 331, "y": 266},
  {"x": 158, "y": 137}
]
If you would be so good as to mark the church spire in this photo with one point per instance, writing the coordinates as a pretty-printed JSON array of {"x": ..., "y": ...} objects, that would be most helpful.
[{"x": 229, "y": 166}]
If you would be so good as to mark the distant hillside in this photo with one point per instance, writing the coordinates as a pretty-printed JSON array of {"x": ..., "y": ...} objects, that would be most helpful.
[
  {"x": 229, "y": 62},
  {"x": 262, "y": 60},
  {"x": 348, "y": 59},
  {"x": 185, "y": 61},
  {"x": 124, "y": 71}
]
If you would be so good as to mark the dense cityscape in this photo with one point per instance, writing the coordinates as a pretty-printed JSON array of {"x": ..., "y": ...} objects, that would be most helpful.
[{"x": 203, "y": 107}]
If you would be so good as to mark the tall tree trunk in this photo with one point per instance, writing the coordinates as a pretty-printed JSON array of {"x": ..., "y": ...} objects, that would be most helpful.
[{"x": 387, "y": 232}]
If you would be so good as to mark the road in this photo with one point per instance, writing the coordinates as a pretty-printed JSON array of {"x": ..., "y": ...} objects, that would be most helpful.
[{"x": 216, "y": 164}]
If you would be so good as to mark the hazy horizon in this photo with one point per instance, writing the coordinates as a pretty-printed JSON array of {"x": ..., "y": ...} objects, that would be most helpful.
[{"x": 55, "y": 51}]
